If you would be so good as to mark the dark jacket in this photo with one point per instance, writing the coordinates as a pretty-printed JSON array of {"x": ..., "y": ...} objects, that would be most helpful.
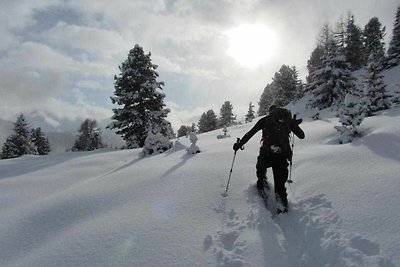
[{"x": 260, "y": 125}]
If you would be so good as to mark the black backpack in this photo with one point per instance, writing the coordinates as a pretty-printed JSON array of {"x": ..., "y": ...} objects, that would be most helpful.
[{"x": 276, "y": 133}]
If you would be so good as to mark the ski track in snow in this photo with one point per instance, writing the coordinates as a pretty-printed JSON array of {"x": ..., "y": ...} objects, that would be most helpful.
[{"x": 309, "y": 235}]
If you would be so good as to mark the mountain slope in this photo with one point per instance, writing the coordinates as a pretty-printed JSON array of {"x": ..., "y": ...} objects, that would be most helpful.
[{"x": 110, "y": 208}]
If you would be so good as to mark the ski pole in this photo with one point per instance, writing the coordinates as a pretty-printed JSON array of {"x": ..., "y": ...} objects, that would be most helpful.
[
  {"x": 291, "y": 162},
  {"x": 230, "y": 172}
]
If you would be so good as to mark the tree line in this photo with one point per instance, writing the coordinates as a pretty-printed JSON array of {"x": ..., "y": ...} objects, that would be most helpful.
[
  {"x": 32, "y": 141},
  {"x": 25, "y": 140},
  {"x": 140, "y": 117}
]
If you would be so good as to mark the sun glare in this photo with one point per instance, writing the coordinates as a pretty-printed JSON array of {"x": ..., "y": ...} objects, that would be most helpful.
[{"x": 252, "y": 45}]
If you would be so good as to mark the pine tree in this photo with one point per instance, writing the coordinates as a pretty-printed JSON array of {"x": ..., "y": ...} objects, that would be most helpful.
[
  {"x": 208, "y": 121},
  {"x": 285, "y": 85},
  {"x": 250, "y": 113},
  {"x": 350, "y": 116},
  {"x": 155, "y": 142},
  {"x": 41, "y": 141},
  {"x": 333, "y": 81},
  {"x": 354, "y": 49},
  {"x": 315, "y": 62},
  {"x": 226, "y": 115},
  {"x": 394, "y": 45},
  {"x": 373, "y": 40},
  {"x": 325, "y": 37},
  {"x": 89, "y": 138},
  {"x": 375, "y": 88},
  {"x": 266, "y": 100},
  {"x": 318, "y": 58},
  {"x": 193, "y": 128},
  {"x": 183, "y": 130},
  {"x": 22, "y": 137},
  {"x": 340, "y": 35},
  {"x": 9, "y": 149},
  {"x": 193, "y": 148},
  {"x": 137, "y": 91},
  {"x": 20, "y": 143}
]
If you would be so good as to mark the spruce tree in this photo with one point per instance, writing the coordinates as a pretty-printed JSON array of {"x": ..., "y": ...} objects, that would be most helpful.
[
  {"x": 208, "y": 121},
  {"x": 266, "y": 100},
  {"x": 226, "y": 115},
  {"x": 354, "y": 49},
  {"x": 394, "y": 45},
  {"x": 89, "y": 137},
  {"x": 250, "y": 113},
  {"x": 332, "y": 81},
  {"x": 375, "y": 88},
  {"x": 9, "y": 149},
  {"x": 318, "y": 58},
  {"x": 20, "y": 143},
  {"x": 183, "y": 130},
  {"x": 155, "y": 142},
  {"x": 315, "y": 62},
  {"x": 41, "y": 141},
  {"x": 285, "y": 85},
  {"x": 138, "y": 91},
  {"x": 340, "y": 35},
  {"x": 373, "y": 40},
  {"x": 193, "y": 128},
  {"x": 350, "y": 116}
]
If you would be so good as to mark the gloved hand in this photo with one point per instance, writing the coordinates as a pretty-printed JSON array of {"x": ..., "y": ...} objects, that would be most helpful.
[
  {"x": 298, "y": 121},
  {"x": 295, "y": 120},
  {"x": 237, "y": 145}
]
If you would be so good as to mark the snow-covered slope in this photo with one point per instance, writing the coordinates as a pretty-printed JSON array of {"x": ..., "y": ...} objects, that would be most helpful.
[{"x": 110, "y": 208}]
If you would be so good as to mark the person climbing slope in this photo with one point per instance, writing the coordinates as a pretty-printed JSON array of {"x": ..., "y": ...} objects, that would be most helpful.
[{"x": 275, "y": 150}]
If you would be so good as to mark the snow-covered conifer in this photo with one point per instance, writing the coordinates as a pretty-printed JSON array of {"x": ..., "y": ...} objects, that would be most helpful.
[
  {"x": 208, "y": 121},
  {"x": 373, "y": 40},
  {"x": 193, "y": 128},
  {"x": 193, "y": 148},
  {"x": 225, "y": 135},
  {"x": 354, "y": 48},
  {"x": 9, "y": 149},
  {"x": 315, "y": 62},
  {"x": 226, "y": 114},
  {"x": 155, "y": 143},
  {"x": 20, "y": 143},
  {"x": 250, "y": 113},
  {"x": 394, "y": 45},
  {"x": 183, "y": 130},
  {"x": 332, "y": 81},
  {"x": 266, "y": 100},
  {"x": 285, "y": 85},
  {"x": 138, "y": 92},
  {"x": 89, "y": 137},
  {"x": 41, "y": 141},
  {"x": 350, "y": 116},
  {"x": 375, "y": 88}
]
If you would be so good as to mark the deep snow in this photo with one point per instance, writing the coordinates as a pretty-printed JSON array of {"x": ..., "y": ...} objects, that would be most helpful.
[{"x": 111, "y": 208}]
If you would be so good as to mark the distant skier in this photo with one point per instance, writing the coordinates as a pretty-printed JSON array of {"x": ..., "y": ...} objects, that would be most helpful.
[{"x": 275, "y": 150}]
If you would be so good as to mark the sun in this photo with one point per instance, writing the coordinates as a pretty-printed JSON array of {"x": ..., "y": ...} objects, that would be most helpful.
[{"x": 252, "y": 45}]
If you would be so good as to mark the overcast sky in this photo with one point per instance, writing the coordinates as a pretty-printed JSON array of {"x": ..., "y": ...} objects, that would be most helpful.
[{"x": 59, "y": 57}]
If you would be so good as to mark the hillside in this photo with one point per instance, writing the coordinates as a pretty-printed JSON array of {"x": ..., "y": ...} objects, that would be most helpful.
[{"x": 110, "y": 208}]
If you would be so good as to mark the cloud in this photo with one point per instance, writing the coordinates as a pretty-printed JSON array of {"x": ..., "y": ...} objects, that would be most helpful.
[
  {"x": 101, "y": 44},
  {"x": 179, "y": 116},
  {"x": 59, "y": 55}
]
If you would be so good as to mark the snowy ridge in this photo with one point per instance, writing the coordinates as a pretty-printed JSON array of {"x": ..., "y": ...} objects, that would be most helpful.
[{"x": 112, "y": 208}]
